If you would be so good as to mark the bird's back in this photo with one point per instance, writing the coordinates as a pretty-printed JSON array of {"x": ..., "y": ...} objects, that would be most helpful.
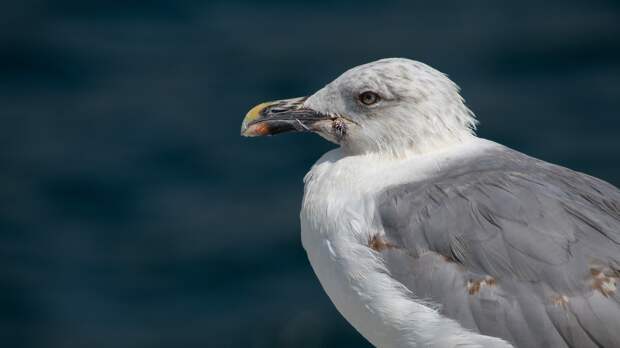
[{"x": 511, "y": 247}]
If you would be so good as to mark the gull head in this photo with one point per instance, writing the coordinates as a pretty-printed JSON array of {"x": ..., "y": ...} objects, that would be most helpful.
[{"x": 391, "y": 106}]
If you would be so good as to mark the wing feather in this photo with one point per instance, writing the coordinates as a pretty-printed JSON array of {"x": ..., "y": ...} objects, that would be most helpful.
[{"x": 513, "y": 247}]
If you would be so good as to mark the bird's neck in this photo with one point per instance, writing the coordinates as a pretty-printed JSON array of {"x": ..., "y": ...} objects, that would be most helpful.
[{"x": 407, "y": 147}]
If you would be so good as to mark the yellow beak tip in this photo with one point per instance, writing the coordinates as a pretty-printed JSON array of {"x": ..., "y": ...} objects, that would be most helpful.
[
  {"x": 252, "y": 115},
  {"x": 255, "y": 112}
]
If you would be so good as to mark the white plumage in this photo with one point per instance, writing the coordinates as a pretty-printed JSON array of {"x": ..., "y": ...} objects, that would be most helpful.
[
  {"x": 424, "y": 235},
  {"x": 336, "y": 227}
]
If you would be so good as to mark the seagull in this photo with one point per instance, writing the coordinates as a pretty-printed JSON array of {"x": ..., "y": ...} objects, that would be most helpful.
[{"x": 424, "y": 235}]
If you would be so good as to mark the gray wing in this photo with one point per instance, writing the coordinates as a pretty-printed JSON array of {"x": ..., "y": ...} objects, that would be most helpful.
[{"x": 512, "y": 247}]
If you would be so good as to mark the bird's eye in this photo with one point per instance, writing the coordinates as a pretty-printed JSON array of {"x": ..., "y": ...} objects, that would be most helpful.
[{"x": 369, "y": 98}]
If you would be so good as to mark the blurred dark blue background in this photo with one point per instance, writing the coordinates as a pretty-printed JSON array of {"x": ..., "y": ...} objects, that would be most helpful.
[{"x": 133, "y": 214}]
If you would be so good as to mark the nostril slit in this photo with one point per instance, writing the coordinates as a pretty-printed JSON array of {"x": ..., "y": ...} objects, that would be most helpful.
[{"x": 277, "y": 110}]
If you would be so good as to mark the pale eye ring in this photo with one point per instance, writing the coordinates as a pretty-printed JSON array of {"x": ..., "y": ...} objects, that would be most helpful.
[{"x": 369, "y": 98}]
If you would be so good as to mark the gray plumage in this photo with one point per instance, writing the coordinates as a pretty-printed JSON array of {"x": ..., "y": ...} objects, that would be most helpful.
[{"x": 511, "y": 247}]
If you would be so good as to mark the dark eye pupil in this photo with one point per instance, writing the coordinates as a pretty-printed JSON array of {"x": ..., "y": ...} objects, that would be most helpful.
[{"x": 369, "y": 98}]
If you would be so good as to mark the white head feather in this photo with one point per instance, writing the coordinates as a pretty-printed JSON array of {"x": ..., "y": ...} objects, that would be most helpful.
[{"x": 420, "y": 109}]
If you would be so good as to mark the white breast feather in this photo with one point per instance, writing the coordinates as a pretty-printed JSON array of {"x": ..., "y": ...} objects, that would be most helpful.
[{"x": 336, "y": 225}]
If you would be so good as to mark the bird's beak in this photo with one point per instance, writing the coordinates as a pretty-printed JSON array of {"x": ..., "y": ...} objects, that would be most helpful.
[{"x": 280, "y": 116}]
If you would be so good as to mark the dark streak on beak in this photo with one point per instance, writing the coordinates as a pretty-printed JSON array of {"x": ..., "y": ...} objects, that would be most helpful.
[{"x": 279, "y": 117}]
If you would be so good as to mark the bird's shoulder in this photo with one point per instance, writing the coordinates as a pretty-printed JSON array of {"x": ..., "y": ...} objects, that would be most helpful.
[
  {"x": 504, "y": 234},
  {"x": 506, "y": 214}
]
